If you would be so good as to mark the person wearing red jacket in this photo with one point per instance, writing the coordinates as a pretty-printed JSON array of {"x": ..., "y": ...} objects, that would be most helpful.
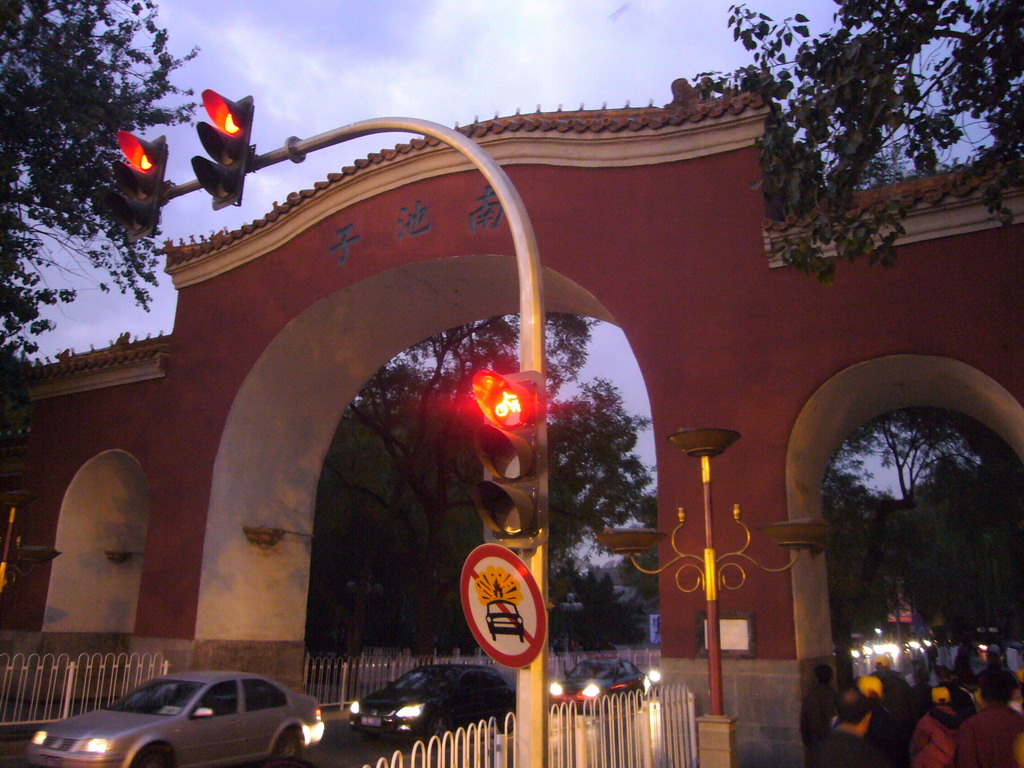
[{"x": 933, "y": 744}]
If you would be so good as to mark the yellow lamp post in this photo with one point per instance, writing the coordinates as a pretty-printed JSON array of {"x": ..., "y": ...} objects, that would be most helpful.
[{"x": 710, "y": 568}]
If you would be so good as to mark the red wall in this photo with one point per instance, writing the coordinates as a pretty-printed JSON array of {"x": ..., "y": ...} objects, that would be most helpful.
[{"x": 675, "y": 254}]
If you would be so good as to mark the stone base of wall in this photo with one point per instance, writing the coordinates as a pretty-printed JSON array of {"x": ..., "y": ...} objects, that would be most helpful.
[
  {"x": 70, "y": 643},
  {"x": 279, "y": 659},
  {"x": 764, "y": 697}
]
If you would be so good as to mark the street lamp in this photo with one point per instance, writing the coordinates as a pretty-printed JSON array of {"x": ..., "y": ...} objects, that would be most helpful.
[
  {"x": 711, "y": 568},
  {"x": 20, "y": 559}
]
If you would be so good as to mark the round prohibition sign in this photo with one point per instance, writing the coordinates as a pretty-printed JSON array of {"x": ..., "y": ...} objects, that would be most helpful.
[{"x": 503, "y": 605}]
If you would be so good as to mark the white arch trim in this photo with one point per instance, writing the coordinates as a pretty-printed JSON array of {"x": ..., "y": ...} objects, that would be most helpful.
[
  {"x": 847, "y": 400},
  {"x": 286, "y": 411}
]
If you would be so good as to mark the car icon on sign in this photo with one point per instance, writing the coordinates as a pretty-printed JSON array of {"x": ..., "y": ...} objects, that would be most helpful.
[{"x": 503, "y": 619}]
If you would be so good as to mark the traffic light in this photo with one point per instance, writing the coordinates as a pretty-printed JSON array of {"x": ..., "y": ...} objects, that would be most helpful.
[
  {"x": 140, "y": 182},
  {"x": 511, "y": 445},
  {"x": 227, "y": 142}
]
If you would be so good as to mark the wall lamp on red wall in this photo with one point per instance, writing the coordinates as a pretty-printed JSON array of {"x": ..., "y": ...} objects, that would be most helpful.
[{"x": 265, "y": 537}]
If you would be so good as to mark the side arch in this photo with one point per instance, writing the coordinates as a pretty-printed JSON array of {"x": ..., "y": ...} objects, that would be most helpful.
[
  {"x": 105, "y": 509},
  {"x": 851, "y": 397},
  {"x": 284, "y": 416}
]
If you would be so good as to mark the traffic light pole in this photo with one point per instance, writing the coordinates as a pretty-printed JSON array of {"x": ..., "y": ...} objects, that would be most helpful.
[{"x": 531, "y": 703}]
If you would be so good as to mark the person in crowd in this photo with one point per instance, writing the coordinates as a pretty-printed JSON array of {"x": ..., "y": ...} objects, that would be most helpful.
[
  {"x": 898, "y": 695},
  {"x": 986, "y": 740},
  {"x": 962, "y": 668},
  {"x": 933, "y": 744},
  {"x": 994, "y": 667},
  {"x": 817, "y": 709},
  {"x": 846, "y": 746},
  {"x": 884, "y": 732},
  {"x": 961, "y": 699}
]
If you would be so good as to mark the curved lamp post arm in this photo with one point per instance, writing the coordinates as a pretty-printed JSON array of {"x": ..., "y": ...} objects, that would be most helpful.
[
  {"x": 531, "y": 300},
  {"x": 742, "y": 552}
]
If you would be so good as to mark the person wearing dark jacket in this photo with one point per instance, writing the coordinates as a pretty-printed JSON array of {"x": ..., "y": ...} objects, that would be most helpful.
[
  {"x": 817, "y": 709},
  {"x": 961, "y": 699},
  {"x": 885, "y": 732},
  {"x": 846, "y": 746}
]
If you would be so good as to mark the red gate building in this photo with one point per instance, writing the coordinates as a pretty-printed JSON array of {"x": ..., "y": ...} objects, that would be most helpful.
[{"x": 150, "y": 458}]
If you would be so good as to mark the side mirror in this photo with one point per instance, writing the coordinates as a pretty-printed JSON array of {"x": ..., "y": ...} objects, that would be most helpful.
[{"x": 202, "y": 712}]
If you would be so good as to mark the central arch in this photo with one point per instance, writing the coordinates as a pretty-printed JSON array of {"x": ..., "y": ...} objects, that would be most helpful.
[
  {"x": 282, "y": 420},
  {"x": 852, "y": 397}
]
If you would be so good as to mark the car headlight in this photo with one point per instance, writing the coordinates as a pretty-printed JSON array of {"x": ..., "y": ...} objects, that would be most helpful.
[
  {"x": 556, "y": 689},
  {"x": 98, "y": 746},
  {"x": 591, "y": 691},
  {"x": 654, "y": 675},
  {"x": 354, "y": 708},
  {"x": 39, "y": 737},
  {"x": 410, "y": 710}
]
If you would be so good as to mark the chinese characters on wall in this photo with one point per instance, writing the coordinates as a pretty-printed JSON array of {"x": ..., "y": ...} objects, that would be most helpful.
[{"x": 416, "y": 220}]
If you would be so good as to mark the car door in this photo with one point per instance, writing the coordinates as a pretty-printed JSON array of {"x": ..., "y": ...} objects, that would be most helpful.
[
  {"x": 211, "y": 734},
  {"x": 459, "y": 702},
  {"x": 496, "y": 697},
  {"x": 266, "y": 707}
]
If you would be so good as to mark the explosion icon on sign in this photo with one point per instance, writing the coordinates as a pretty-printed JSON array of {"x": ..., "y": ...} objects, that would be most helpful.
[{"x": 499, "y": 591}]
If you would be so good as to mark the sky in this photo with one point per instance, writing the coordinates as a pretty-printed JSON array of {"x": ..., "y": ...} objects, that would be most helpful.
[{"x": 315, "y": 65}]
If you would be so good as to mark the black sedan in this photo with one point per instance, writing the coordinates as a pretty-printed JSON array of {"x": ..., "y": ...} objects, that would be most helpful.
[
  {"x": 432, "y": 700},
  {"x": 597, "y": 677}
]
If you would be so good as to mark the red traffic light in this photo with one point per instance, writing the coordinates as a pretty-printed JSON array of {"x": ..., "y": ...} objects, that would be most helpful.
[
  {"x": 226, "y": 141},
  {"x": 136, "y": 152},
  {"x": 227, "y": 116},
  {"x": 504, "y": 403},
  {"x": 140, "y": 185}
]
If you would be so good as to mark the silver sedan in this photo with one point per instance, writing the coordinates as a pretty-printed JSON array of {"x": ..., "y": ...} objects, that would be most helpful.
[{"x": 184, "y": 720}]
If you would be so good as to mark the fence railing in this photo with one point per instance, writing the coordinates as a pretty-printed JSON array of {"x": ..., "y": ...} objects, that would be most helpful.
[
  {"x": 629, "y": 730},
  {"x": 38, "y": 688},
  {"x": 336, "y": 680}
]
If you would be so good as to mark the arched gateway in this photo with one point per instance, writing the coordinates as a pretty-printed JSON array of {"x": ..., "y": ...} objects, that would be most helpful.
[{"x": 645, "y": 218}]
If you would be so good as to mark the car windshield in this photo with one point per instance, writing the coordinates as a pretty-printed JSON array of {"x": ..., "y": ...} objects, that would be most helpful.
[
  {"x": 160, "y": 697},
  {"x": 426, "y": 678},
  {"x": 594, "y": 669}
]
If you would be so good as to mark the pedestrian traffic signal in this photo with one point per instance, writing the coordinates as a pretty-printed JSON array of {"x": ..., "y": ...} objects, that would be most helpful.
[
  {"x": 512, "y": 500},
  {"x": 227, "y": 142},
  {"x": 140, "y": 182}
]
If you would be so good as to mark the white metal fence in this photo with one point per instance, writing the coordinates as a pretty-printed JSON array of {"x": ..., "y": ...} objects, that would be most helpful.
[
  {"x": 38, "y": 688},
  {"x": 336, "y": 680},
  {"x": 629, "y": 730}
]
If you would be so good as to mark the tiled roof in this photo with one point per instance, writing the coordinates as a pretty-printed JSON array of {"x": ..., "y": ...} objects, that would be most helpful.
[
  {"x": 121, "y": 353},
  {"x": 928, "y": 190},
  {"x": 685, "y": 108}
]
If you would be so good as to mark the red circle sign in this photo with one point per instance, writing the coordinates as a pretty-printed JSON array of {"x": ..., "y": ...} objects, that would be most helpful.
[{"x": 503, "y": 605}]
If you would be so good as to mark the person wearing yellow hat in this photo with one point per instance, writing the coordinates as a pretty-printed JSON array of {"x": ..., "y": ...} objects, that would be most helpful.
[
  {"x": 884, "y": 731},
  {"x": 933, "y": 744}
]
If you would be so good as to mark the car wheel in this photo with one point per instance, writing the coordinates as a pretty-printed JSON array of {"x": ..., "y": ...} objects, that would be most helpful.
[
  {"x": 288, "y": 744},
  {"x": 153, "y": 757},
  {"x": 439, "y": 726}
]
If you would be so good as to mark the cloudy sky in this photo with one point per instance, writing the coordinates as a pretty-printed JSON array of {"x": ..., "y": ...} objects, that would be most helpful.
[{"x": 315, "y": 65}]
